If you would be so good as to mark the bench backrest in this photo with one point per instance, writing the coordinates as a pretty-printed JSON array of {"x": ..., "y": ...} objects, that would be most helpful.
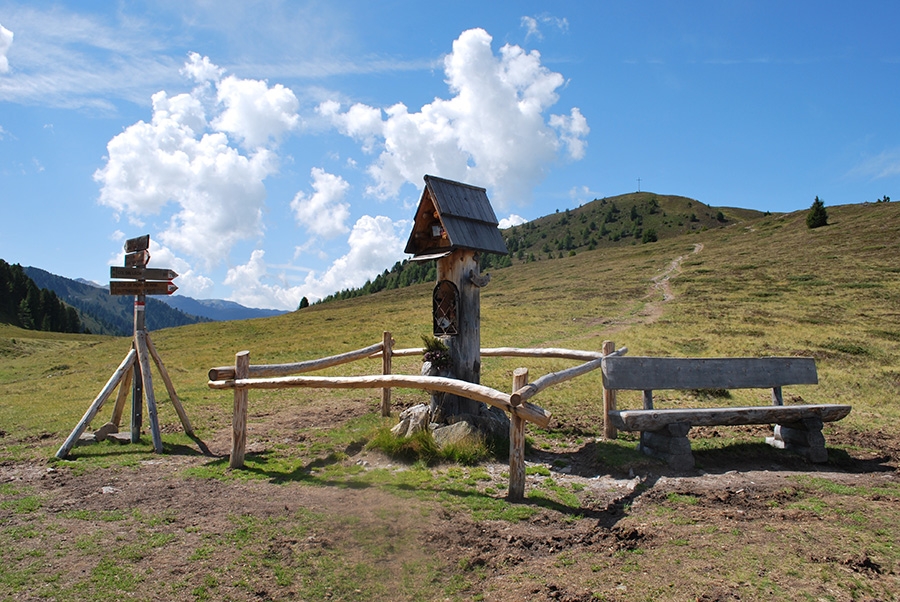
[{"x": 655, "y": 373}]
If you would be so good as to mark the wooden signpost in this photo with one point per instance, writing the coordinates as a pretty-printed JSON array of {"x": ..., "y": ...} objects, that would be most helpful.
[{"x": 138, "y": 280}]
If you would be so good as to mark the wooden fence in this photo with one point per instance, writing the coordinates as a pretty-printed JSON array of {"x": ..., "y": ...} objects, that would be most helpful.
[{"x": 243, "y": 376}]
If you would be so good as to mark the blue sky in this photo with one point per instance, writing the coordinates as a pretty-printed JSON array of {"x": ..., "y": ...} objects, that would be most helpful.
[{"x": 275, "y": 150}]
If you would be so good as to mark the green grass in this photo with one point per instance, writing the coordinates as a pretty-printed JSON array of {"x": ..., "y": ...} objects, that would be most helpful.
[{"x": 768, "y": 286}]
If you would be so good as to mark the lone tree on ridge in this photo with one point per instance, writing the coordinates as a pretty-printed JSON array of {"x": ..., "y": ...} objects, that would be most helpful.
[{"x": 817, "y": 215}]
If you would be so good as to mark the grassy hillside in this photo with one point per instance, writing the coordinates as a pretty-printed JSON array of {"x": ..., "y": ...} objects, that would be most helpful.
[
  {"x": 311, "y": 518},
  {"x": 767, "y": 286},
  {"x": 624, "y": 220},
  {"x": 635, "y": 218}
]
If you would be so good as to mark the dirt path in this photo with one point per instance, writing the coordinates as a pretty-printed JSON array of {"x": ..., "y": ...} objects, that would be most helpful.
[
  {"x": 659, "y": 293},
  {"x": 662, "y": 285}
]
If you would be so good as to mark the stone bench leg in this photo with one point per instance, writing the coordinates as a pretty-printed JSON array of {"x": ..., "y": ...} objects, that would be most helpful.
[
  {"x": 804, "y": 437},
  {"x": 671, "y": 444}
]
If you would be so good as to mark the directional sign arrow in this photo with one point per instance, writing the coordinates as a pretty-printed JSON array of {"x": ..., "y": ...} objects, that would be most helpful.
[
  {"x": 135, "y": 287},
  {"x": 139, "y": 273}
]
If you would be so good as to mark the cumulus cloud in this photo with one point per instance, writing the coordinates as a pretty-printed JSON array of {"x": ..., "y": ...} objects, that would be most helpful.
[
  {"x": 374, "y": 243},
  {"x": 573, "y": 129},
  {"x": 323, "y": 212},
  {"x": 201, "y": 69},
  {"x": 512, "y": 220},
  {"x": 248, "y": 282},
  {"x": 6, "y": 40},
  {"x": 183, "y": 162},
  {"x": 255, "y": 113},
  {"x": 492, "y": 132}
]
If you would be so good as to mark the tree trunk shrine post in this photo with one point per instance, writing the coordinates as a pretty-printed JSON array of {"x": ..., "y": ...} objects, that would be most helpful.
[
  {"x": 454, "y": 224},
  {"x": 134, "y": 278}
]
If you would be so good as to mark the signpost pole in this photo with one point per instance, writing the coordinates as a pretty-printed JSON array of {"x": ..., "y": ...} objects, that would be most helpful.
[
  {"x": 137, "y": 397},
  {"x": 135, "y": 278}
]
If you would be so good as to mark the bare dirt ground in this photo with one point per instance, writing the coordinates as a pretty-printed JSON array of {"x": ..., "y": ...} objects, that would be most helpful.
[{"x": 620, "y": 542}]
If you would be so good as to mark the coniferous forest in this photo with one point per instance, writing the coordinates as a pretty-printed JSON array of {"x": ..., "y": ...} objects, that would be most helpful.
[{"x": 24, "y": 305}]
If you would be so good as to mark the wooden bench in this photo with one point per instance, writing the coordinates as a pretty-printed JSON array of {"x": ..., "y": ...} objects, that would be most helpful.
[{"x": 664, "y": 431}]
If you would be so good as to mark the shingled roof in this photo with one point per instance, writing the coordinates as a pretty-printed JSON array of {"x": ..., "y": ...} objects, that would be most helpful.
[{"x": 453, "y": 215}]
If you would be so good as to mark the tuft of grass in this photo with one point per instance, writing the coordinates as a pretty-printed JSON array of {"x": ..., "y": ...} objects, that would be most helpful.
[
  {"x": 846, "y": 346},
  {"x": 418, "y": 447},
  {"x": 681, "y": 498}
]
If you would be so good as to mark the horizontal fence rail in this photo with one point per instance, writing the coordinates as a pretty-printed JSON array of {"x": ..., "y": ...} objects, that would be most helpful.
[
  {"x": 243, "y": 376},
  {"x": 490, "y": 396}
]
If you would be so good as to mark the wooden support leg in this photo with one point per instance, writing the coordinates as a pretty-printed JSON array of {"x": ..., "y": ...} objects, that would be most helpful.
[
  {"x": 671, "y": 444},
  {"x": 105, "y": 392},
  {"x": 140, "y": 338},
  {"x": 804, "y": 437},
  {"x": 239, "y": 418},
  {"x": 179, "y": 409},
  {"x": 122, "y": 397},
  {"x": 517, "y": 443}
]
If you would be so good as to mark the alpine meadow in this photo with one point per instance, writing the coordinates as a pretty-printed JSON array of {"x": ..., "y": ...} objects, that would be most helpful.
[{"x": 325, "y": 508}]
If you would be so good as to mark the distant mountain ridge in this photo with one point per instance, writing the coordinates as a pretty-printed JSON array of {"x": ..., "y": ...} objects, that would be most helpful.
[
  {"x": 218, "y": 310},
  {"x": 103, "y": 313}
]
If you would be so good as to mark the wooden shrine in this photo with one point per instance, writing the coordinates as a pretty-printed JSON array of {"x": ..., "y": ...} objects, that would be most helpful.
[
  {"x": 134, "y": 278},
  {"x": 454, "y": 224}
]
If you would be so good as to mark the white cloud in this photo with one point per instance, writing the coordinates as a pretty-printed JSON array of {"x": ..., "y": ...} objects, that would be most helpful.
[
  {"x": 581, "y": 195},
  {"x": 323, "y": 212},
  {"x": 6, "y": 40},
  {"x": 181, "y": 163},
  {"x": 201, "y": 69},
  {"x": 573, "y": 129},
  {"x": 250, "y": 289},
  {"x": 491, "y": 133},
  {"x": 884, "y": 165},
  {"x": 374, "y": 245},
  {"x": 531, "y": 28},
  {"x": 512, "y": 220},
  {"x": 80, "y": 60},
  {"x": 532, "y": 25},
  {"x": 254, "y": 112}
]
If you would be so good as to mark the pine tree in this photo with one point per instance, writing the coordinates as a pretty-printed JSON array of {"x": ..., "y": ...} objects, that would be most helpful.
[{"x": 817, "y": 216}]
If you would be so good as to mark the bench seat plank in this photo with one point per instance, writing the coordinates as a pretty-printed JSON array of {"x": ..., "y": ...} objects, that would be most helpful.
[
  {"x": 652, "y": 420},
  {"x": 659, "y": 373}
]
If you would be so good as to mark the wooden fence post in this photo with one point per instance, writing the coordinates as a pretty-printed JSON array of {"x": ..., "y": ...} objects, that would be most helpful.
[
  {"x": 609, "y": 400},
  {"x": 386, "y": 352},
  {"x": 517, "y": 443},
  {"x": 239, "y": 420}
]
